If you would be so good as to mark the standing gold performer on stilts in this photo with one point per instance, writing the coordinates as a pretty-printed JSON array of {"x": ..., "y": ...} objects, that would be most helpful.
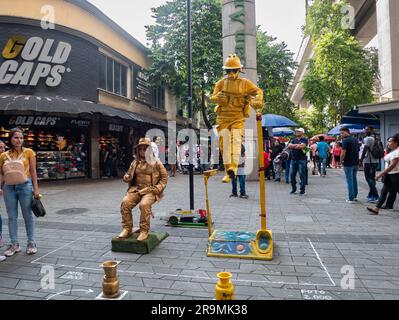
[
  {"x": 147, "y": 178},
  {"x": 234, "y": 96}
]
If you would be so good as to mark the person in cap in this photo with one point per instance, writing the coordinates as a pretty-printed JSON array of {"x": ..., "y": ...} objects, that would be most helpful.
[
  {"x": 147, "y": 178},
  {"x": 298, "y": 160},
  {"x": 234, "y": 97}
]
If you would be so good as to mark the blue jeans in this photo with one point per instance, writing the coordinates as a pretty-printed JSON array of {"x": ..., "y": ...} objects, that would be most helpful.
[
  {"x": 370, "y": 170},
  {"x": 23, "y": 194},
  {"x": 351, "y": 180},
  {"x": 301, "y": 166},
  {"x": 242, "y": 184},
  {"x": 322, "y": 163},
  {"x": 277, "y": 170},
  {"x": 287, "y": 171}
]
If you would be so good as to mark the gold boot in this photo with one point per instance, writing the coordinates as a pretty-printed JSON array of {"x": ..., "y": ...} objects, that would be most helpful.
[
  {"x": 226, "y": 179},
  {"x": 125, "y": 234},
  {"x": 143, "y": 236}
]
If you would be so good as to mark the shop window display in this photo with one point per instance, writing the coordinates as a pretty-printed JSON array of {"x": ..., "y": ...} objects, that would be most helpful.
[{"x": 59, "y": 156}]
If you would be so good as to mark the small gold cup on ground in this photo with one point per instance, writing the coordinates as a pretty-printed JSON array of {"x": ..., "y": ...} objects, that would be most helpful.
[{"x": 111, "y": 282}]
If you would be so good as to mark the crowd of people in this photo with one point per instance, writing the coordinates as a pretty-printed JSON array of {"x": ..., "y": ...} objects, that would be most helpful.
[{"x": 350, "y": 153}]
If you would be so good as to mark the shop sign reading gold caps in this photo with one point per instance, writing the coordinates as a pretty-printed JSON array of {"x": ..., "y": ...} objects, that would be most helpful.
[{"x": 37, "y": 62}]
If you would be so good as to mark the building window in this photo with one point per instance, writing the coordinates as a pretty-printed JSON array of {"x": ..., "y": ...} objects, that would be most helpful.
[
  {"x": 158, "y": 98},
  {"x": 113, "y": 76},
  {"x": 181, "y": 108}
]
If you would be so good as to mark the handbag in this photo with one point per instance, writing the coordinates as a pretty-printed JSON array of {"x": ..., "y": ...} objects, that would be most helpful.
[{"x": 38, "y": 208}]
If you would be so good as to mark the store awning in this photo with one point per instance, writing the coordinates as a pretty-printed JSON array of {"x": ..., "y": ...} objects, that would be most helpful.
[
  {"x": 11, "y": 104},
  {"x": 354, "y": 117}
]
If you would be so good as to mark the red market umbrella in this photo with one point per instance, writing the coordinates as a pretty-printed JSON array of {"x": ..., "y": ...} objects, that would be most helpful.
[
  {"x": 327, "y": 138},
  {"x": 281, "y": 139}
]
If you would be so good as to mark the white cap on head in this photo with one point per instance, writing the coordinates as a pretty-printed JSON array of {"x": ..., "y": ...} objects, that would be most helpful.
[{"x": 300, "y": 130}]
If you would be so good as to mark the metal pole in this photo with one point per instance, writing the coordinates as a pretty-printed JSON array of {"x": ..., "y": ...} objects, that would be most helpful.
[{"x": 190, "y": 100}]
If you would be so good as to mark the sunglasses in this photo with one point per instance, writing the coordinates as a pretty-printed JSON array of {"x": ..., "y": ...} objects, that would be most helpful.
[{"x": 232, "y": 71}]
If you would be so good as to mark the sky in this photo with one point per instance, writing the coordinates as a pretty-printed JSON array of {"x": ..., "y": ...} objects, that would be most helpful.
[{"x": 280, "y": 18}]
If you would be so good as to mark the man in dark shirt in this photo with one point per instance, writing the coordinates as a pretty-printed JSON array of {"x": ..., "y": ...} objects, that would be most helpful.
[
  {"x": 350, "y": 160},
  {"x": 298, "y": 160}
]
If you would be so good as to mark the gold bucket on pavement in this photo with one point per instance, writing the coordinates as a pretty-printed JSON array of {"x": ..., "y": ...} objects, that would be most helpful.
[{"x": 111, "y": 281}]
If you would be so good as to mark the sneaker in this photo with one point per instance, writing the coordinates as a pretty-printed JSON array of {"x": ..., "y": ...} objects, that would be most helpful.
[
  {"x": 244, "y": 196},
  {"x": 31, "y": 249},
  {"x": 293, "y": 192},
  {"x": 303, "y": 193},
  {"x": 355, "y": 200},
  {"x": 12, "y": 249},
  {"x": 387, "y": 208},
  {"x": 350, "y": 201},
  {"x": 234, "y": 195},
  {"x": 2, "y": 258}
]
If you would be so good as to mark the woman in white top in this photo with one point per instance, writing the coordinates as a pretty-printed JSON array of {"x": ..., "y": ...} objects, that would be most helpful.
[{"x": 390, "y": 175}]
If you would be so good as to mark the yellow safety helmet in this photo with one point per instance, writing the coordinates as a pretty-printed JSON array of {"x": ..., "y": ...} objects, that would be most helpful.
[{"x": 232, "y": 62}]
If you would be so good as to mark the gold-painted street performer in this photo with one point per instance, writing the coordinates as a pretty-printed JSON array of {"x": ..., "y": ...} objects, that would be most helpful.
[
  {"x": 147, "y": 178},
  {"x": 234, "y": 96}
]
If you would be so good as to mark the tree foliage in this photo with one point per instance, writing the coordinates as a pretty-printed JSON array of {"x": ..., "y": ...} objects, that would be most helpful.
[
  {"x": 168, "y": 38},
  {"x": 275, "y": 70},
  {"x": 169, "y": 55},
  {"x": 340, "y": 75}
]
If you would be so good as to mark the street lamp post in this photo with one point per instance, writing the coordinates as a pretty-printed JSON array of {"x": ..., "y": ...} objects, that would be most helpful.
[{"x": 190, "y": 96}]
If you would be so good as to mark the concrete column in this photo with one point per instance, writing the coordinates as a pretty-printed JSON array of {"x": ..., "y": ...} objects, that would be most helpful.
[
  {"x": 94, "y": 147},
  {"x": 239, "y": 36},
  {"x": 388, "y": 43}
]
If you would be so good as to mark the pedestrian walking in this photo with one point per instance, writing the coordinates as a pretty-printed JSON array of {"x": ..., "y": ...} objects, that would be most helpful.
[
  {"x": 277, "y": 161},
  {"x": 390, "y": 175},
  {"x": 322, "y": 152},
  {"x": 266, "y": 159},
  {"x": 286, "y": 157},
  {"x": 371, "y": 155},
  {"x": 2, "y": 258},
  {"x": 350, "y": 160},
  {"x": 18, "y": 173},
  {"x": 337, "y": 150},
  {"x": 298, "y": 160},
  {"x": 241, "y": 177}
]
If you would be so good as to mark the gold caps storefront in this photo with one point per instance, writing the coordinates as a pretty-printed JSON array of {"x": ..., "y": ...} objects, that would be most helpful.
[{"x": 76, "y": 87}]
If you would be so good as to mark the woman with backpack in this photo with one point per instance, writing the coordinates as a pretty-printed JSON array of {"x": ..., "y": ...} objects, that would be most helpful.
[
  {"x": 2, "y": 258},
  {"x": 18, "y": 173}
]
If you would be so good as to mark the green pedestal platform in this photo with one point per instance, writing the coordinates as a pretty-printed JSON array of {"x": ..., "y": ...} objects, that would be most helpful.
[{"x": 131, "y": 245}]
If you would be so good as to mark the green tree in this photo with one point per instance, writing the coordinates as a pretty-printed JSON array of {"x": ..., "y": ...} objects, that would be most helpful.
[
  {"x": 275, "y": 69},
  {"x": 169, "y": 56},
  {"x": 340, "y": 75},
  {"x": 168, "y": 38},
  {"x": 324, "y": 16}
]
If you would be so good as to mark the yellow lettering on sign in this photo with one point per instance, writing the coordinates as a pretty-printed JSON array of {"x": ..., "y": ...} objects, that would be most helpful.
[{"x": 14, "y": 47}]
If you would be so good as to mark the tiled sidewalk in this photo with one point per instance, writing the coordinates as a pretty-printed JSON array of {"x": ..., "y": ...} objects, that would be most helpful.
[{"x": 315, "y": 237}]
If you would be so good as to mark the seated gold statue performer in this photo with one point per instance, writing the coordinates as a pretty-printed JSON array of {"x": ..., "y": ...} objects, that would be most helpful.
[{"x": 147, "y": 178}]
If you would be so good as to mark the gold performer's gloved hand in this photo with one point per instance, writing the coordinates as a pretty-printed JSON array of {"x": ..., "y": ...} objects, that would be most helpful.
[
  {"x": 126, "y": 178},
  {"x": 155, "y": 190},
  {"x": 145, "y": 191},
  {"x": 257, "y": 103},
  {"x": 220, "y": 99}
]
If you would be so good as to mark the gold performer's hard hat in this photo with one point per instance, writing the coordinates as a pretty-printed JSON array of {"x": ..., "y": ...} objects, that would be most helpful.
[{"x": 233, "y": 62}]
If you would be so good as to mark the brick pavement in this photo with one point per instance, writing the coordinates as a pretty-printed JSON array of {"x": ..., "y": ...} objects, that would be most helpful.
[{"x": 315, "y": 236}]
